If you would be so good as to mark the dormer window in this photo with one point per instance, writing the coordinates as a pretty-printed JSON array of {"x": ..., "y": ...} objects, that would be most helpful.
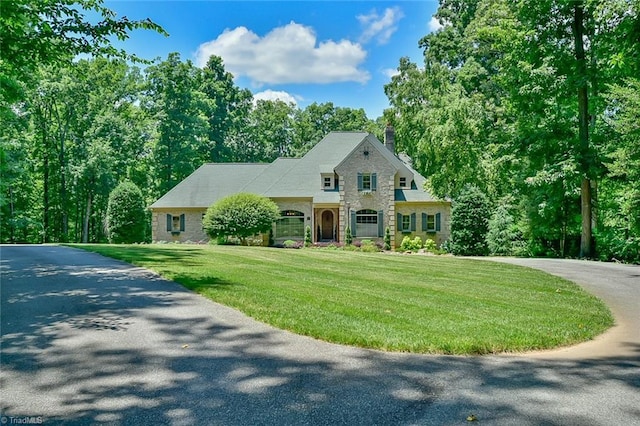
[
  {"x": 328, "y": 181},
  {"x": 403, "y": 182}
]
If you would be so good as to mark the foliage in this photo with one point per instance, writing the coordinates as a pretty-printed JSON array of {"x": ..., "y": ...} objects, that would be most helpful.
[
  {"x": 307, "y": 236},
  {"x": 502, "y": 234},
  {"x": 292, "y": 289},
  {"x": 348, "y": 238},
  {"x": 387, "y": 239},
  {"x": 409, "y": 244},
  {"x": 368, "y": 246},
  {"x": 53, "y": 32},
  {"x": 470, "y": 223},
  {"x": 240, "y": 215},
  {"x": 430, "y": 245},
  {"x": 126, "y": 219}
]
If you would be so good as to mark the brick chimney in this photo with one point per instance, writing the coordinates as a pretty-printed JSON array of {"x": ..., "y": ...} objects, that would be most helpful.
[{"x": 390, "y": 138}]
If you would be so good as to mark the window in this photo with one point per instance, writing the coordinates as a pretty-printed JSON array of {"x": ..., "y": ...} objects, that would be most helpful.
[
  {"x": 431, "y": 222},
  {"x": 405, "y": 226},
  {"x": 367, "y": 182},
  {"x": 290, "y": 225},
  {"x": 175, "y": 224},
  {"x": 327, "y": 182},
  {"x": 406, "y": 223},
  {"x": 403, "y": 182}
]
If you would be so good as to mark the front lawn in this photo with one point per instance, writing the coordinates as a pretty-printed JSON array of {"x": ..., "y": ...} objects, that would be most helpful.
[{"x": 411, "y": 303}]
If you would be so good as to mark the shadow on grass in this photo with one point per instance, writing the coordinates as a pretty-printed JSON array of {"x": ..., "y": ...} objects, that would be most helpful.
[{"x": 175, "y": 358}]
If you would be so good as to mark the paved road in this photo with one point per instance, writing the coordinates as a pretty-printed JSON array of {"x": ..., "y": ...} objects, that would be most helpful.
[{"x": 88, "y": 340}]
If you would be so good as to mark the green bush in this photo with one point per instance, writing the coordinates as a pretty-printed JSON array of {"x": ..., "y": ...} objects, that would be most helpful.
[
  {"x": 409, "y": 244},
  {"x": 307, "y": 236},
  {"x": 348, "y": 238},
  {"x": 387, "y": 239},
  {"x": 368, "y": 246},
  {"x": 430, "y": 245},
  {"x": 240, "y": 215},
  {"x": 470, "y": 223},
  {"x": 126, "y": 220},
  {"x": 503, "y": 235}
]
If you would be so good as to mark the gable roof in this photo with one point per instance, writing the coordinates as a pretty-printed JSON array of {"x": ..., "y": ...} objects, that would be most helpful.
[{"x": 285, "y": 177}]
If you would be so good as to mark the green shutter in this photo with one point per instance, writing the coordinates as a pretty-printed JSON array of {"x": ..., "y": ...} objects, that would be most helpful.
[
  {"x": 182, "y": 220},
  {"x": 359, "y": 181},
  {"x": 374, "y": 181},
  {"x": 413, "y": 222},
  {"x": 169, "y": 223},
  {"x": 399, "y": 222},
  {"x": 437, "y": 222},
  {"x": 353, "y": 223},
  {"x": 424, "y": 222},
  {"x": 380, "y": 223}
]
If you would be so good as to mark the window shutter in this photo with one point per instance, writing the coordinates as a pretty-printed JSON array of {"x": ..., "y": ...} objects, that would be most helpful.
[
  {"x": 437, "y": 222},
  {"x": 374, "y": 181},
  {"x": 182, "y": 219},
  {"x": 353, "y": 223},
  {"x": 380, "y": 223},
  {"x": 398, "y": 222},
  {"x": 359, "y": 181},
  {"x": 413, "y": 221},
  {"x": 424, "y": 222},
  {"x": 169, "y": 223}
]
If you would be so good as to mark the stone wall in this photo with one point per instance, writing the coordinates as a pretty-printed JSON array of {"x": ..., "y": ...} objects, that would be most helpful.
[{"x": 193, "y": 230}]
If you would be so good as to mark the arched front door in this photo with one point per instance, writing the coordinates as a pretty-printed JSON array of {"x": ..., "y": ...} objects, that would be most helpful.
[{"x": 327, "y": 225}]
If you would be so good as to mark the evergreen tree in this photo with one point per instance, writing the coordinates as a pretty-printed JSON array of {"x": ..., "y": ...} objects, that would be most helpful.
[{"x": 126, "y": 219}]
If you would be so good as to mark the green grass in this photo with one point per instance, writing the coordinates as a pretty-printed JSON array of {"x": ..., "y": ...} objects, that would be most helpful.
[{"x": 408, "y": 303}]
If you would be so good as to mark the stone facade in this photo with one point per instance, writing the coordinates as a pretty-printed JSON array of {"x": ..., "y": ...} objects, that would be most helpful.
[{"x": 192, "y": 229}]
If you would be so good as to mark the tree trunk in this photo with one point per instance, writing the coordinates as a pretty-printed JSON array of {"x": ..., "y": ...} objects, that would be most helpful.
[
  {"x": 85, "y": 222},
  {"x": 583, "y": 129}
]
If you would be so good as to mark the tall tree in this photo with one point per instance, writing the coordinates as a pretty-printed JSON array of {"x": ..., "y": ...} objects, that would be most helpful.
[
  {"x": 176, "y": 104},
  {"x": 225, "y": 106}
]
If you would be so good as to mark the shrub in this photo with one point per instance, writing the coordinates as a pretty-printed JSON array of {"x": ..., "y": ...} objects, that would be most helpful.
[
  {"x": 292, "y": 244},
  {"x": 409, "y": 244},
  {"x": 348, "y": 238},
  {"x": 430, "y": 245},
  {"x": 307, "y": 236},
  {"x": 368, "y": 246},
  {"x": 240, "y": 215},
  {"x": 125, "y": 219},
  {"x": 387, "y": 239},
  {"x": 503, "y": 235},
  {"x": 470, "y": 223}
]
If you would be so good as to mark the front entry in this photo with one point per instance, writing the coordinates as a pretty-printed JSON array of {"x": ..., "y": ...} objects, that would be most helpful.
[{"x": 327, "y": 225}]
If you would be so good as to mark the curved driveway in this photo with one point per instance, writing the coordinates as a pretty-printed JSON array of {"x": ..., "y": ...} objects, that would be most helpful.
[{"x": 89, "y": 340}]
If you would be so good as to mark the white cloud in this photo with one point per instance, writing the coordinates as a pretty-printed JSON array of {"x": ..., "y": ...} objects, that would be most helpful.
[
  {"x": 390, "y": 72},
  {"x": 275, "y": 95},
  {"x": 288, "y": 54},
  {"x": 380, "y": 27},
  {"x": 434, "y": 24}
]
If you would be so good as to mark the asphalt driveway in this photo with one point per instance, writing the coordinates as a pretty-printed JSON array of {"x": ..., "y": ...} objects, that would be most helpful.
[{"x": 89, "y": 340}]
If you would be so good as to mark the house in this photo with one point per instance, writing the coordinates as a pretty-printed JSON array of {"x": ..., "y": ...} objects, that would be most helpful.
[{"x": 347, "y": 179}]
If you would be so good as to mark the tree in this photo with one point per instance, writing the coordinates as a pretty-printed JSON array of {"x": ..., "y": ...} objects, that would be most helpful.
[
  {"x": 126, "y": 219},
  {"x": 177, "y": 106},
  {"x": 49, "y": 32},
  {"x": 470, "y": 223},
  {"x": 240, "y": 215},
  {"x": 226, "y": 108}
]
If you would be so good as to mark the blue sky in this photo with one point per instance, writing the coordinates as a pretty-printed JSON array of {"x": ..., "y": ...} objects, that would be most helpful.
[{"x": 299, "y": 51}]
